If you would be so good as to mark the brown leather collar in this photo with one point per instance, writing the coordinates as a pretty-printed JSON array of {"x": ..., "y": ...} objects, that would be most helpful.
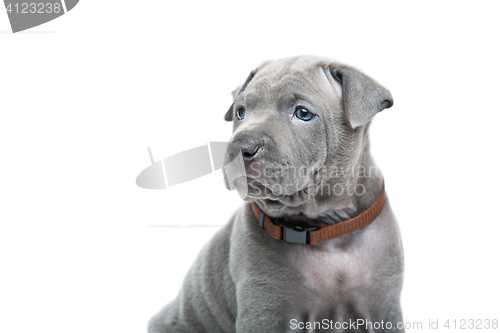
[{"x": 316, "y": 235}]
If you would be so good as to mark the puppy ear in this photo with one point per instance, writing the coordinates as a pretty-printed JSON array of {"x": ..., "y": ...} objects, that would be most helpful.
[
  {"x": 229, "y": 113},
  {"x": 363, "y": 97},
  {"x": 235, "y": 93}
]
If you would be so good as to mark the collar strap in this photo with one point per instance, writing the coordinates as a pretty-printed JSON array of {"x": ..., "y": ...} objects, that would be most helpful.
[{"x": 316, "y": 235}]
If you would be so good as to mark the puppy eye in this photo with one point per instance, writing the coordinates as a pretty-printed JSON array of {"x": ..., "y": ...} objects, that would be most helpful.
[
  {"x": 303, "y": 114},
  {"x": 241, "y": 112}
]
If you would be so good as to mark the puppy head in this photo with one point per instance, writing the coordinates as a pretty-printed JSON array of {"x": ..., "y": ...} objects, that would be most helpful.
[{"x": 299, "y": 128}]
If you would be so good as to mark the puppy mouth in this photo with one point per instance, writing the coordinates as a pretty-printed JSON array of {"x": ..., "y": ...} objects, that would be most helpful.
[
  {"x": 255, "y": 189},
  {"x": 273, "y": 205}
]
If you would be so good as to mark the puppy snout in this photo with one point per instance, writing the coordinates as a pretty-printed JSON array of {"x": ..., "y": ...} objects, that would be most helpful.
[{"x": 250, "y": 144}]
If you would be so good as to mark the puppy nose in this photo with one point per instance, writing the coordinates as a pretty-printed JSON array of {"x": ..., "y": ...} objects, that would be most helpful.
[{"x": 249, "y": 143}]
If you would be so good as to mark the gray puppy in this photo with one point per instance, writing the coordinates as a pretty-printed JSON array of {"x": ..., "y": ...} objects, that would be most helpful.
[{"x": 301, "y": 129}]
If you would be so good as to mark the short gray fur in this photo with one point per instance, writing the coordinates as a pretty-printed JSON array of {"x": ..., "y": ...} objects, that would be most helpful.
[{"x": 246, "y": 281}]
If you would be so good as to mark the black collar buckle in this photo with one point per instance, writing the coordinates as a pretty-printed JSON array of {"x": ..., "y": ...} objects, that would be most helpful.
[
  {"x": 291, "y": 234},
  {"x": 297, "y": 234}
]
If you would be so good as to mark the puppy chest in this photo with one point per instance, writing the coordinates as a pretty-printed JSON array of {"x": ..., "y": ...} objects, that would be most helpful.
[{"x": 339, "y": 273}]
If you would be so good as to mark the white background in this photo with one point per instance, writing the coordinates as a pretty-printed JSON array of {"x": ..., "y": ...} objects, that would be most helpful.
[{"x": 82, "y": 97}]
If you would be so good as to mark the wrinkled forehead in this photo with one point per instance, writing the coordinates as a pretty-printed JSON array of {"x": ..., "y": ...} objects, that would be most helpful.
[{"x": 289, "y": 79}]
